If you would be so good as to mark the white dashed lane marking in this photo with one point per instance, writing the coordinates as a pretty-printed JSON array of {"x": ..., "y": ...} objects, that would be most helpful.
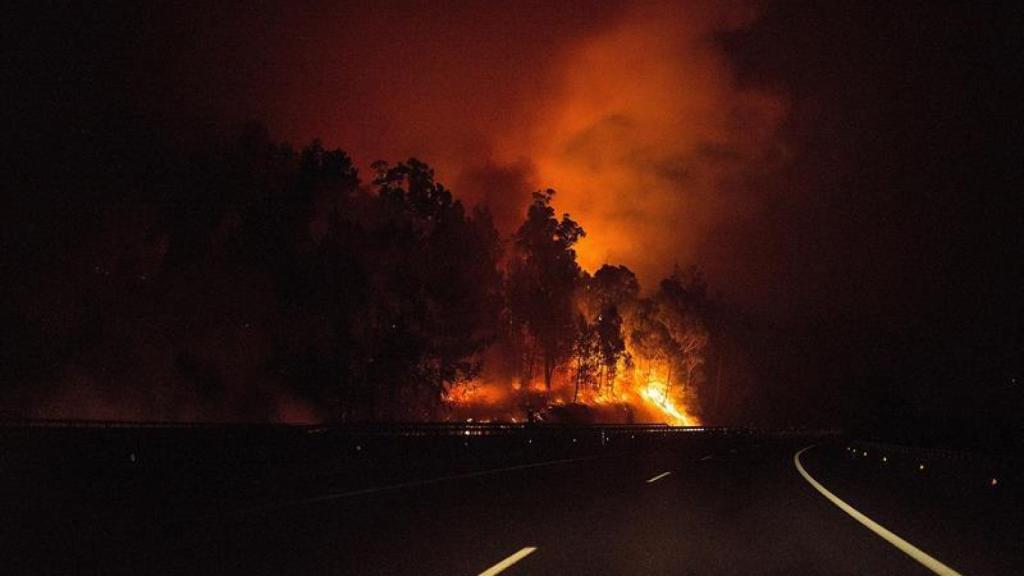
[
  {"x": 507, "y": 562},
  {"x": 658, "y": 477}
]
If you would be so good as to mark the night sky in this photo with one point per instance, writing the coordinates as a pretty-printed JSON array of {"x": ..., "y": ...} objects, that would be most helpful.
[{"x": 848, "y": 175}]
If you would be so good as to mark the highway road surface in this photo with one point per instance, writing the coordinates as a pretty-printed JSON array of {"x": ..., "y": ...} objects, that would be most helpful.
[{"x": 743, "y": 506}]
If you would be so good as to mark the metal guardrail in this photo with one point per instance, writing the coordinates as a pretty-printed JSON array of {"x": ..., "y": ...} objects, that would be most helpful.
[{"x": 398, "y": 429}]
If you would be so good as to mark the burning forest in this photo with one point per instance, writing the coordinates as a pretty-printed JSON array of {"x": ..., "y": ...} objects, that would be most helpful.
[
  {"x": 301, "y": 293},
  {"x": 588, "y": 346}
]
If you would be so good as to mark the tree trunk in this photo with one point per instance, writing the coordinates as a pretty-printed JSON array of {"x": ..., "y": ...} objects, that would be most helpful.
[
  {"x": 579, "y": 376},
  {"x": 668, "y": 383},
  {"x": 549, "y": 370}
]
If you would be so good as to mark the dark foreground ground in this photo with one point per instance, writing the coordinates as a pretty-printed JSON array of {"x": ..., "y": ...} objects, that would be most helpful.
[{"x": 266, "y": 500}]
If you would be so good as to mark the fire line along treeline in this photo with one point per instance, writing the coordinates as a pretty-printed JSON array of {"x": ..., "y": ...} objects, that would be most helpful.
[{"x": 253, "y": 281}]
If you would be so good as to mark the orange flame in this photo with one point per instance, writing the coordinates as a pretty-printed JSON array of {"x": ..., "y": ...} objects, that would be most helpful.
[{"x": 655, "y": 396}]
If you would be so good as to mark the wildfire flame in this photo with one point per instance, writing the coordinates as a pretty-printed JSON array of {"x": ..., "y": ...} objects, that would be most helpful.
[
  {"x": 656, "y": 377},
  {"x": 654, "y": 395},
  {"x": 493, "y": 401}
]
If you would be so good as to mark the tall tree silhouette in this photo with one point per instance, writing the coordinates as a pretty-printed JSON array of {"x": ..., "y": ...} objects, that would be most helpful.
[
  {"x": 611, "y": 344},
  {"x": 437, "y": 284},
  {"x": 543, "y": 276},
  {"x": 682, "y": 305}
]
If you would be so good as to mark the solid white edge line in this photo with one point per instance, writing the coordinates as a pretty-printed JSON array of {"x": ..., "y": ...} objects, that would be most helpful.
[
  {"x": 658, "y": 477},
  {"x": 504, "y": 564},
  {"x": 904, "y": 546}
]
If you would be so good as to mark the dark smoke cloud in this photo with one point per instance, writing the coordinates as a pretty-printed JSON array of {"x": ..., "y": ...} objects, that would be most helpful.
[
  {"x": 630, "y": 110},
  {"x": 848, "y": 175}
]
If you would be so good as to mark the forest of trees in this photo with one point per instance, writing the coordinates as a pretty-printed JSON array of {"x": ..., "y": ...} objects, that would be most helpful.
[{"x": 252, "y": 271}]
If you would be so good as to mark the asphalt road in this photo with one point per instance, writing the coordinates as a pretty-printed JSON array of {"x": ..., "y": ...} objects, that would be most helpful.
[{"x": 737, "y": 507}]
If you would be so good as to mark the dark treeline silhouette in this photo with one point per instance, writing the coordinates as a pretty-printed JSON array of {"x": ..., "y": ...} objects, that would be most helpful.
[{"x": 248, "y": 280}]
